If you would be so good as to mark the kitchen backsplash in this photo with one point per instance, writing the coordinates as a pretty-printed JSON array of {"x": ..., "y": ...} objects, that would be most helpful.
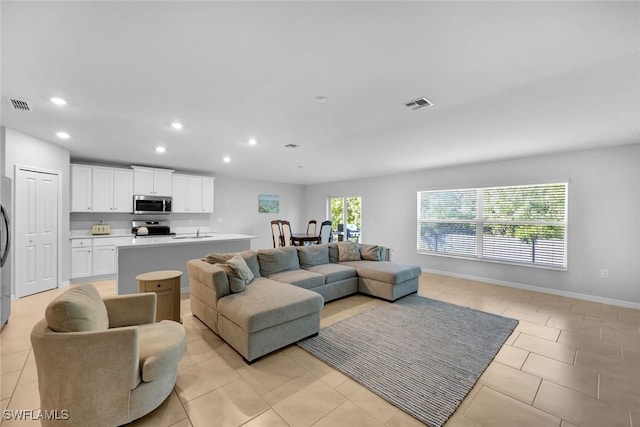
[{"x": 81, "y": 223}]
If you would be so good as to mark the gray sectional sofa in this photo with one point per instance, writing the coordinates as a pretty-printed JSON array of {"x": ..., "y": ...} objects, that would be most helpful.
[{"x": 260, "y": 301}]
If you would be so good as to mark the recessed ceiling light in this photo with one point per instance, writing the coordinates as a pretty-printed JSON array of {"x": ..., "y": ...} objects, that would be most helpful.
[
  {"x": 58, "y": 101},
  {"x": 176, "y": 125},
  {"x": 63, "y": 135},
  {"x": 160, "y": 149},
  {"x": 226, "y": 159},
  {"x": 252, "y": 141}
]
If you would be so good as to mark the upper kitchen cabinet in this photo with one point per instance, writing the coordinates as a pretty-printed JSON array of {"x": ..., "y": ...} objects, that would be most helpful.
[
  {"x": 207, "y": 194},
  {"x": 152, "y": 181},
  {"x": 101, "y": 189},
  {"x": 192, "y": 194},
  {"x": 112, "y": 190},
  {"x": 81, "y": 188}
]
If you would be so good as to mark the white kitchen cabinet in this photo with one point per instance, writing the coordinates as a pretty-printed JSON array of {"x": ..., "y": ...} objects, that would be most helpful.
[
  {"x": 95, "y": 256},
  {"x": 81, "y": 258},
  {"x": 207, "y": 194},
  {"x": 103, "y": 257},
  {"x": 151, "y": 181},
  {"x": 179, "y": 195},
  {"x": 122, "y": 190},
  {"x": 101, "y": 189},
  {"x": 81, "y": 188},
  {"x": 187, "y": 193}
]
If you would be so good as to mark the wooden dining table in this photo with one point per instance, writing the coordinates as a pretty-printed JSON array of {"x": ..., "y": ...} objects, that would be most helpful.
[{"x": 299, "y": 239}]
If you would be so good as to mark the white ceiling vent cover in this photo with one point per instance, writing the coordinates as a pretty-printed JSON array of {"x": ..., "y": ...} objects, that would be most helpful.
[
  {"x": 416, "y": 104},
  {"x": 20, "y": 105}
]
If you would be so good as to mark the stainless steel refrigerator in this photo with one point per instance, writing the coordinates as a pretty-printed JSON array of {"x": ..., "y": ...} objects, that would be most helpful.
[{"x": 5, "y": 249}]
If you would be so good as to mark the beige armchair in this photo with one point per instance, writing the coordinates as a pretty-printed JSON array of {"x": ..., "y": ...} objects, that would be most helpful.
[{"x": 104, "y": 362}]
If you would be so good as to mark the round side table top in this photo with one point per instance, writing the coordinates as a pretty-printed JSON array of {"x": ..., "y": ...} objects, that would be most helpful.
[{"x": 159, "y": 275}]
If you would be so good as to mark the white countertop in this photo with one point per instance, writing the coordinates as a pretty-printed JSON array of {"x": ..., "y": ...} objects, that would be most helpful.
[{"x": 184, "y": 239}]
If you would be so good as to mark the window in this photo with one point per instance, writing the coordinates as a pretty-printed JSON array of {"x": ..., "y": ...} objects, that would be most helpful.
[
  {"x": 519, "y": 224},
  {"x": 345, "y": 210}
]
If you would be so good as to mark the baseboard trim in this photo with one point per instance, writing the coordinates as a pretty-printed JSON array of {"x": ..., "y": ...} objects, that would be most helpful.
[{"x": 584, "y": 297}]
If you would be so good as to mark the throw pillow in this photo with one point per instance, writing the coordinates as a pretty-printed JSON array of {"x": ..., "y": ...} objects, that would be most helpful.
[
  {"x": 218, "y": 258},
  {"x": 348, "y": 251},
  {"x": 370, "y": 252},
  {"x": 241, "y": 275}
]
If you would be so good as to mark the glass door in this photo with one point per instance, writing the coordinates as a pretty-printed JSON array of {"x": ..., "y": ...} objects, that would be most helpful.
[{"x": 345, "y": 215}]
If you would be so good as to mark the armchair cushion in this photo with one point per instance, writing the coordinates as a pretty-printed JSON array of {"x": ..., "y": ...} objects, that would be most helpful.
[
  {"x": 161, "y": 346},
  {"x": 79, "y": 309},
  {"x": 131, "y": 310}
]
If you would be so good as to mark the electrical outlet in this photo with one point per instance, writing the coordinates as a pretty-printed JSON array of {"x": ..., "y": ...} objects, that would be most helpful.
[{"x": 604, "y": 273}]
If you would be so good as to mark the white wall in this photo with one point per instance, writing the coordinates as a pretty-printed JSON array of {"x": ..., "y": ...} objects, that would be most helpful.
[
  {"x": 24, "y": 150},
  {"x": 236, "y": 208},
  {"x": 603, "y": 230}
]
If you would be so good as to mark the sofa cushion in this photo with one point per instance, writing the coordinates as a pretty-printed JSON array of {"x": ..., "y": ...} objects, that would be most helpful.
[
  {"x": 385, "y": 271},
  {"x": 348, "y": 251},
  {"x": 313, "y": 255},
  {"x": 370, "y": 252},
  {"x": 79, "y": 309},
  {"x": 274, "y": 261},
  {"x": 161, "y": 346},
  {"x": 334, "y": 272},
  {"x": 241, "y": 274},
  {"x": 333, "y": 252},
  {"x": 268, "y": 303},
  {"x": 302, "y": 278},
  {"x": 250, "y": 257}
]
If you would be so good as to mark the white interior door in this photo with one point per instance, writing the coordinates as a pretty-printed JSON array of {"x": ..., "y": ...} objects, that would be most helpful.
[{"x": 36, "y": 222}]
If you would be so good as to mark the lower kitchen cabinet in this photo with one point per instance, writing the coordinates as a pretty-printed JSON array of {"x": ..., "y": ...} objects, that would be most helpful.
[
  {"x": 81, "y": 258},
  {"x": 80, "y": 262},
  {"x": 103, "y": 258},
  {"x": 94, "y": 256}
]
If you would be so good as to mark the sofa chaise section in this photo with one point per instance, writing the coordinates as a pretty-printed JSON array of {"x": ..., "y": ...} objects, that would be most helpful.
[
  {"x": 265, "y": 316},
  {"x": 385, "y": 279}
]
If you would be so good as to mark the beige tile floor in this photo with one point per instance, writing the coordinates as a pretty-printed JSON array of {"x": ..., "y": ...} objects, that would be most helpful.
[{"x": 568, "y": 363}]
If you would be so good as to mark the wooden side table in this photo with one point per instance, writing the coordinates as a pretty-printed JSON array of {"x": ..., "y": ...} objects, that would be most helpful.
[{"x": 166, "y": 284}]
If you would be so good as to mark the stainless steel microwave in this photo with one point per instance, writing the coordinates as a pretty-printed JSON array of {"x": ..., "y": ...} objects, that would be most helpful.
[{"x": 151, "y": 205}]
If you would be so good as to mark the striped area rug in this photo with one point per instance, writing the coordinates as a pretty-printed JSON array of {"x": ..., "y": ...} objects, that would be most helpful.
[{"x": 421, "y": 355}]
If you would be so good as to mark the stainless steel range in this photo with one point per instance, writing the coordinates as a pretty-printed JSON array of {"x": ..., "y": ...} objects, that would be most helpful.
[{"x": 151, "y": 228}]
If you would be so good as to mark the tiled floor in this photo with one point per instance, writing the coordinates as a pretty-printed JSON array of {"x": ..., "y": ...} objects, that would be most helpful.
[{"x": 569, "y": 363}]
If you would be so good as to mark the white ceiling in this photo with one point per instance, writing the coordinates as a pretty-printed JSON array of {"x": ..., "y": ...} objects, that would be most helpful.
[{"x": 507, "y": 79}]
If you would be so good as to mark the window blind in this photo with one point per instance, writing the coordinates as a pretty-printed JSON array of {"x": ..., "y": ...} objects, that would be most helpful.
[{"x": 516, "y": 224}]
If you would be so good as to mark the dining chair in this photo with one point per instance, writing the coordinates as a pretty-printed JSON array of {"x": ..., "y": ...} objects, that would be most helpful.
[
  {"x": 276, "y": 231},
  {"x": 325, "y": 232},
  {"x": 312, "y": 226},
  {"x": 286, "y": 233}
]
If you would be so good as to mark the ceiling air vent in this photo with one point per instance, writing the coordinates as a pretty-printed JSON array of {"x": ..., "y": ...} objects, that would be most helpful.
[
  {"x": 292, "y": 146},
  {"x": 20, "y": 105},
  {"x": 416, "y": 104}
]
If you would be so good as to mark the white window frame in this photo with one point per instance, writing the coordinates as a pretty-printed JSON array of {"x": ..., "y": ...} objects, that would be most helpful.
[{"x": 479, "y": 222}]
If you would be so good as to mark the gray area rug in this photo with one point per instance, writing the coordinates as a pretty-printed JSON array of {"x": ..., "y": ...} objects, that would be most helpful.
[{"x": 421, "y": 355}]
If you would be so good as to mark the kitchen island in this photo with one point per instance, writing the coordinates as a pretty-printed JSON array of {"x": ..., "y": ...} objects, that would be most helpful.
[{"x": 145, "y": 254}]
